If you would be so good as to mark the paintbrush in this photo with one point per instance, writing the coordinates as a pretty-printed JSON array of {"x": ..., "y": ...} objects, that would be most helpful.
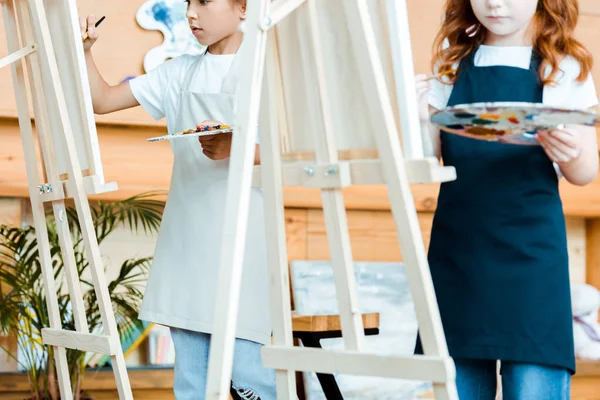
[
  {"x": 447, "y": 72},
  {"x": 85, "y": 35}
]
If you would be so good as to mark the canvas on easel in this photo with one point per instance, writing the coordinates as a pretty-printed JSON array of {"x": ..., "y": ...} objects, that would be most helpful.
[
  {"x": 48, "y": 67},
  {"x": 333, "y": 70}
]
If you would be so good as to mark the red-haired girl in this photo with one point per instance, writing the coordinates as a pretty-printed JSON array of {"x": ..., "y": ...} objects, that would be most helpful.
[{"x": 498, "y": 252}]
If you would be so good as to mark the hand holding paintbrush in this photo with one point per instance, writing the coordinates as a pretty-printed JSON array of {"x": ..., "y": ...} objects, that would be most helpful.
[
  {"x": 423, "y": 86},
  {"x": 88, "y": 30},
  {"x": 439, "y": 75}
]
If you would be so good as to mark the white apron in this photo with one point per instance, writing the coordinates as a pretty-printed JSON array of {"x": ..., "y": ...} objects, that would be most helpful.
[{"x": 183, "y": 282}]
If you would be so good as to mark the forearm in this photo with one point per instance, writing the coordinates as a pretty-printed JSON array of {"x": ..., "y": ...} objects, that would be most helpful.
[
  {"x": 107, "y": 98},
  {"x": 431, "y": 136},
  {"x": 98, "y": 86},
  {"x": 583, "y": 169}
]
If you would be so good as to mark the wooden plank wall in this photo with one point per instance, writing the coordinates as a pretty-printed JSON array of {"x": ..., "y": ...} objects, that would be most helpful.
[{"x": 373, "y": 237}]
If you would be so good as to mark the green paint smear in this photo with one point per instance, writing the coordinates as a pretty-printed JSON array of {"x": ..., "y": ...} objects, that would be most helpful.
[{"x": 479, "y": 121}]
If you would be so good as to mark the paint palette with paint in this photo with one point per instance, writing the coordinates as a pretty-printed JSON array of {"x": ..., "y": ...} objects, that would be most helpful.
[
  {"x": 207, "y": 131},
  {"x": 508, "y": 122}
]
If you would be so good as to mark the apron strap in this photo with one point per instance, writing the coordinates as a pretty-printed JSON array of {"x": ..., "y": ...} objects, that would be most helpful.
[
  {"x": 192, "y": 71},
  {"x": 231, "y": 80}
]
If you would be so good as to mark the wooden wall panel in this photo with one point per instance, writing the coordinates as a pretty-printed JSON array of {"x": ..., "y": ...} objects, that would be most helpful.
[
  {"x": 576, "y": 239},
  {"x": 373, "y": 238},
  {"x": 372, "y": 235},
  {"x": 11, "y": 211},
  {"x": 593, "y": 252},
  {"x": 295, "y": 226}
]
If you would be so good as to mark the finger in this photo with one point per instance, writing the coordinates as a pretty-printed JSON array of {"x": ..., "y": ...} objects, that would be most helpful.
[
  {"x": 556, "y": 155},
  {"x": 420, "y": 78},
  {"x": 423, "y": 85},
  {"x": 550, "y": 153},
  {"x": 209, "y": 122},
  {"x": 541, "y": 136},
  {"x": 91, "y": 28},
  {"x": 560, "y": 146},
  {"x": 564, "y": 136},
  {"x": 82, "y": 24},
  {"x": 212, "y": 149},
  {"x": 204, "y": 140},
  {"x": 210, "y": 155}
]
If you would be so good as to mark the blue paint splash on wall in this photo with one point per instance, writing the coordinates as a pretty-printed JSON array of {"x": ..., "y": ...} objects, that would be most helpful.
[{"x": 164, "y": 14}]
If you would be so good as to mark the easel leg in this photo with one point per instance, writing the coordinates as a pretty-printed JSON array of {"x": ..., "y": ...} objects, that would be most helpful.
[
  {"x": 237, "y": 204},
  {"x": 44, "y": 136},
  {"x": 37, "y": 206},
  {"x": 275, "y": 226},
  {"x": 402, "y": 203},
  {"x": 334, "y": 208},
  {"x": 53, "y": 89}
]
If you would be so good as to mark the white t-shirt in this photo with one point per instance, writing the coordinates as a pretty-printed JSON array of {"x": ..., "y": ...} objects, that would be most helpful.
[
  {"x": 567, "y": 92},
  {"x": 158, "y": 91}
]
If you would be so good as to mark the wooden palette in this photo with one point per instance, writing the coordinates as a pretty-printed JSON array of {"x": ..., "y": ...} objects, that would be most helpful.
[
  {"x": 192, "y": 133},
  {"x": 508, "y": 122}
]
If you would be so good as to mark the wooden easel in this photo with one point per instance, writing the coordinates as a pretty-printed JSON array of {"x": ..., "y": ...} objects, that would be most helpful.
[
  {"x": 329, "y": 174},
  {"x": 45, "y": 49}
]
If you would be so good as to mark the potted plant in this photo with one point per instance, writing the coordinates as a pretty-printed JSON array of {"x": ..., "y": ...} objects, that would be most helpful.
[{"x": 23, "y": 310}]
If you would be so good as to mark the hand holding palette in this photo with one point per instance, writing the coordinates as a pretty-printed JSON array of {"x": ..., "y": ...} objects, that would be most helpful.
[
  {"x": 205, "y": 131},
  {"x": 508, "y": 122}
]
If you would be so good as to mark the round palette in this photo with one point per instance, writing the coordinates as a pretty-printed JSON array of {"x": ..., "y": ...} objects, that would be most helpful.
[{"x": 508, "y": 122}]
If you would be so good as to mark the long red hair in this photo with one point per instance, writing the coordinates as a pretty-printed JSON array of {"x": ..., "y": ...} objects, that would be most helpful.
[{"x": 553, "y": 28}]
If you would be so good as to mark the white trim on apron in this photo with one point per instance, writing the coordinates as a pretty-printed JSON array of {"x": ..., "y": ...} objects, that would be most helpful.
[{"x": 181, "y": 289}]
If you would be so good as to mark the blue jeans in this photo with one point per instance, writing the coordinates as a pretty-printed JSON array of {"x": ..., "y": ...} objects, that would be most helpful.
[
  {"x": 249, "y": 378},
  {"x": 476, "y": 380}
]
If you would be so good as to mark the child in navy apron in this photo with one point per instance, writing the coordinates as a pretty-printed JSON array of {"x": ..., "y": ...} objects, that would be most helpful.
[
  {"x": 498, "y": 251},
  {"x": 195, "y": 91}
]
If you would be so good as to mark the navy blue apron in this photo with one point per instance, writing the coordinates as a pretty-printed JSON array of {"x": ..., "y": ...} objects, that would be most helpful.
[{"x": 498, "y": 250}]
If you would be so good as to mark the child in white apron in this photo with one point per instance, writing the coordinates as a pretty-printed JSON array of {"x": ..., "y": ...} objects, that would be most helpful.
[{"x": 181, "y": 290}]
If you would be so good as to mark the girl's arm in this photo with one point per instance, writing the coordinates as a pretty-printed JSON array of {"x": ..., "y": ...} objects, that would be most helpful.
[
  {"x": 575, "y": 150},
  {"x": 429, "y": 132},
  {"x": 105, "y": 98},
  {"x": 431, "y": 136}
]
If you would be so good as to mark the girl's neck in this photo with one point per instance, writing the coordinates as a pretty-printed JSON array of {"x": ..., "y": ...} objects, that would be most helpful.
[
  {"x": 522, "y": 37},
  {"x": 227, "y": 45}
]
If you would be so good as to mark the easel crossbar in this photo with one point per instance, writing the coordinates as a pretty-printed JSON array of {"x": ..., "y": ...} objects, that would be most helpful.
[
  {"x": 356, "y": 172},
  {"x": 101, "y": 344},
  {"x": 17, "y": 55},
  {"x": 419, "y": 368}
]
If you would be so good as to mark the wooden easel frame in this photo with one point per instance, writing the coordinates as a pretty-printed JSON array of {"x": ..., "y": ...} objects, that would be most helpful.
[
  {"x": 330, "y": 175},
  {"x": 33, "y": 58}
]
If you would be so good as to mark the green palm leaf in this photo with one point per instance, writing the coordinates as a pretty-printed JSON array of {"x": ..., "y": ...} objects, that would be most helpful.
[{"x": 23, "y": 309}]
